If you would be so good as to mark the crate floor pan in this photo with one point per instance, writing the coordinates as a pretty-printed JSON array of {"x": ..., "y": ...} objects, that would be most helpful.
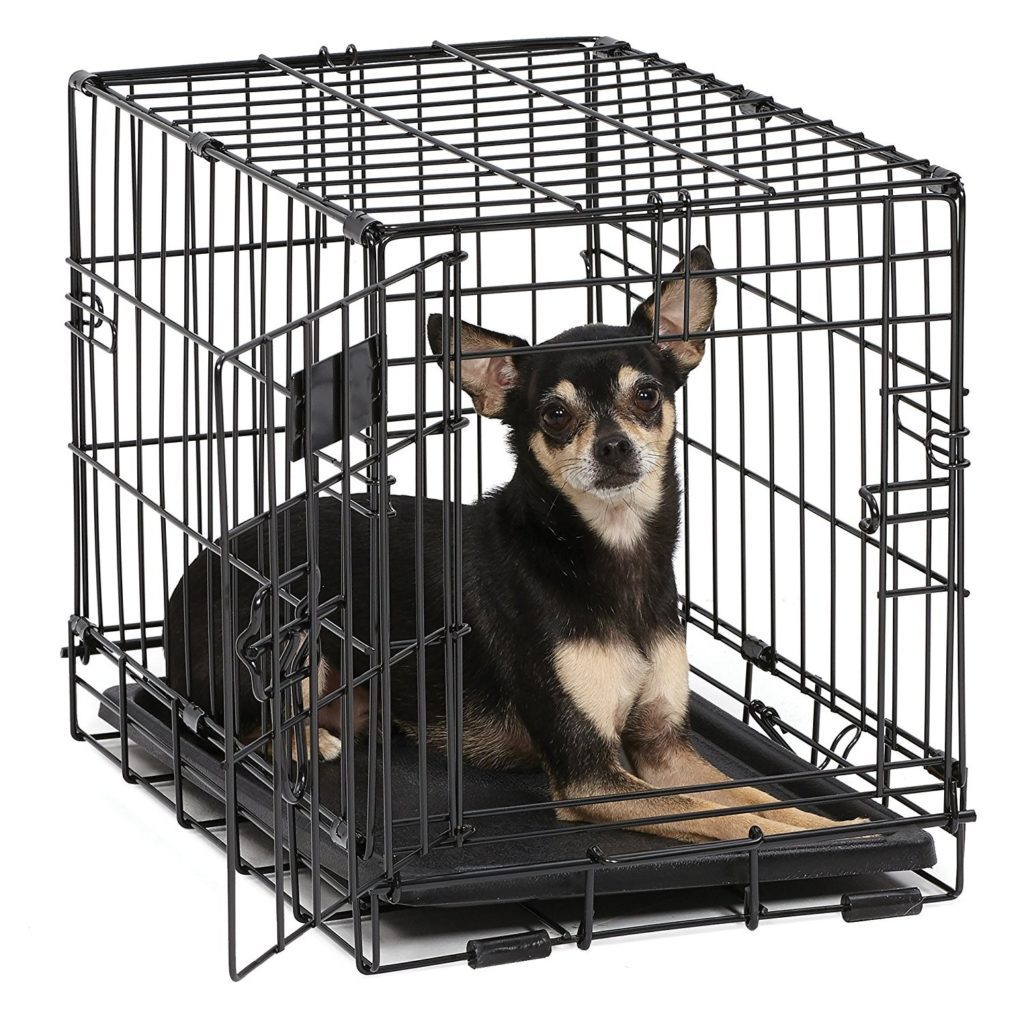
[{"x": 529, "y": 854}]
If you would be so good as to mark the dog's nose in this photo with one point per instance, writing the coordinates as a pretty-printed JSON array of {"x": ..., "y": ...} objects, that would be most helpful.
[{"x": 613, "y": 449}]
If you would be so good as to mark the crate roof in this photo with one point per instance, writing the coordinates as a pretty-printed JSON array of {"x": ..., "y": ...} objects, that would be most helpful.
[{"x": 422, "y": 139}]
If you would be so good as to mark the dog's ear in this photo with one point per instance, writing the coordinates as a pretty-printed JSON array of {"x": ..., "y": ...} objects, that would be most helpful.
[
  {"x": 487, "y": 380},
  {"x": 703, "y": 296}
]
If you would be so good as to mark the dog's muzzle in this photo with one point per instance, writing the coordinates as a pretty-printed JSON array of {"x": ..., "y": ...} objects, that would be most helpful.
[{"x": 617, "y": 462}]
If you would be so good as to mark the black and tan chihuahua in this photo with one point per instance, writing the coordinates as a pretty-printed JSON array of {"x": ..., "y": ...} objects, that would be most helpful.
[{"x": 576, "y": 660}]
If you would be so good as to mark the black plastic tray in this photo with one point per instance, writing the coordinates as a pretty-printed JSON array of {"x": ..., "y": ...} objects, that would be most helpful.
[{"x": 451, "y": 875}]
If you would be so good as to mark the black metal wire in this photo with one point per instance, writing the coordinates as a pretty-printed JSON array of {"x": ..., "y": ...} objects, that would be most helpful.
[{"x": 339, "y": 191}]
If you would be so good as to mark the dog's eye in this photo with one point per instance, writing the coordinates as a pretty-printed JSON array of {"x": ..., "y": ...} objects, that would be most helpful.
[
  {"x": 556, "y": 418},
  {"x": 647, "y": 398}
]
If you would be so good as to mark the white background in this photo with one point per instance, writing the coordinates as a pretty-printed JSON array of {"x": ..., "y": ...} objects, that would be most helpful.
[{"x": 106, "y": 902}]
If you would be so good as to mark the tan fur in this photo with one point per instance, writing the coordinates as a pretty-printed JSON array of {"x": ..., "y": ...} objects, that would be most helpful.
[
  {"x": 486, "y": 380},
  {"x": 627, "y": 378},
  {"x": 674, "y": 304},
  {"x": 607, "y": 680},
  {"x": 673, "y": 309},
  {"x": 566, "y": 389},
  {"x": 558, "y": 461},
  {"x": 679, "y": 765},
  {"x": 329, "y": 717},
  {"x": 704, "y": 826},
  {"x": 667, "y": 687},
  {"x": 626, "y": 412},
  {"x": 603, "y": 679},
  {"x": 653, "y": 441},
  {"x": 619, "y": 523}
]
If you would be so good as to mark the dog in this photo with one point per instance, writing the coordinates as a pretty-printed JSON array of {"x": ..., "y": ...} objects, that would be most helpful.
[{"x": 576, "y": 659}]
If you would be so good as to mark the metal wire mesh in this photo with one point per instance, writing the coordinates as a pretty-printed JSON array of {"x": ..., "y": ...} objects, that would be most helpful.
[
  {"x": 235, "y": 226},
  {"x": 445, "y": 134}
]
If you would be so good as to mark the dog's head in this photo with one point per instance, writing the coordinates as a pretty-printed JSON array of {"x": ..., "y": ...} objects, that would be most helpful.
[{"x": 598, "y": 421}]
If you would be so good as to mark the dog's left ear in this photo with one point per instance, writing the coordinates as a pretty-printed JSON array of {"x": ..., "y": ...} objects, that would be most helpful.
[
  {"x": 487, "y": 380},
  {"x": 703, "y": 296}
]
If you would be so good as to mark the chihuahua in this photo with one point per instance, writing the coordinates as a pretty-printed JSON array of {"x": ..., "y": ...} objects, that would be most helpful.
[{"x": 576, "y": 657}]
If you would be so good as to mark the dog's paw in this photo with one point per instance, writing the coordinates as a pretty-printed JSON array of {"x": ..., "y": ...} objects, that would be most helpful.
[
  {"x": 858, "y": 822},
  {"x": 330, "y": 746},
  {"x": 846, "y": 823}
]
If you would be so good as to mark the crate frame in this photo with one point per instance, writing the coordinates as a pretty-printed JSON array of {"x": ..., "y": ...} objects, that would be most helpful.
[{"x": 649, "y": 217}]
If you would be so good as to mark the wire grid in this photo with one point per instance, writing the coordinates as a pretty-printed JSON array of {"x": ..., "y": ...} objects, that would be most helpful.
[{"x": 448, "y": 133}]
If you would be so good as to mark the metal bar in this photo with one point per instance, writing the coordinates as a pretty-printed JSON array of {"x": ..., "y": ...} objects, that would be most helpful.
[
  {"x": 421, "y": 134},
  {"x": 648, "y": 138},
  {"x": 356, "y": 221}
]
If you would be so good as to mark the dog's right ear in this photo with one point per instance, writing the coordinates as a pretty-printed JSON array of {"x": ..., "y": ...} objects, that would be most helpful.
[{"x": 487, "y": 380}]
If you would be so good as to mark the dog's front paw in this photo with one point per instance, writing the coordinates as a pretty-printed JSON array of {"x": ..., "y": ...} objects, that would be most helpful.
[
  {"x": 329, "y": 745},
  {"x": 843, "y": 823}
]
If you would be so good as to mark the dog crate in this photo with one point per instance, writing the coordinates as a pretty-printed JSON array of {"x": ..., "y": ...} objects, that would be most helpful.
[{"x": 255, "y": 249}]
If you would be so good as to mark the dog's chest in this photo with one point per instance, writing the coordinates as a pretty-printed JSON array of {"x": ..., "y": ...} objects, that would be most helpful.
[{"x": 607, "y": 679}]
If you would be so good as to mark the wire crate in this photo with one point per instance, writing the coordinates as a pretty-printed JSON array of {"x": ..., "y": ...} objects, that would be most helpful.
[{"x": 255, "y": 249}]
